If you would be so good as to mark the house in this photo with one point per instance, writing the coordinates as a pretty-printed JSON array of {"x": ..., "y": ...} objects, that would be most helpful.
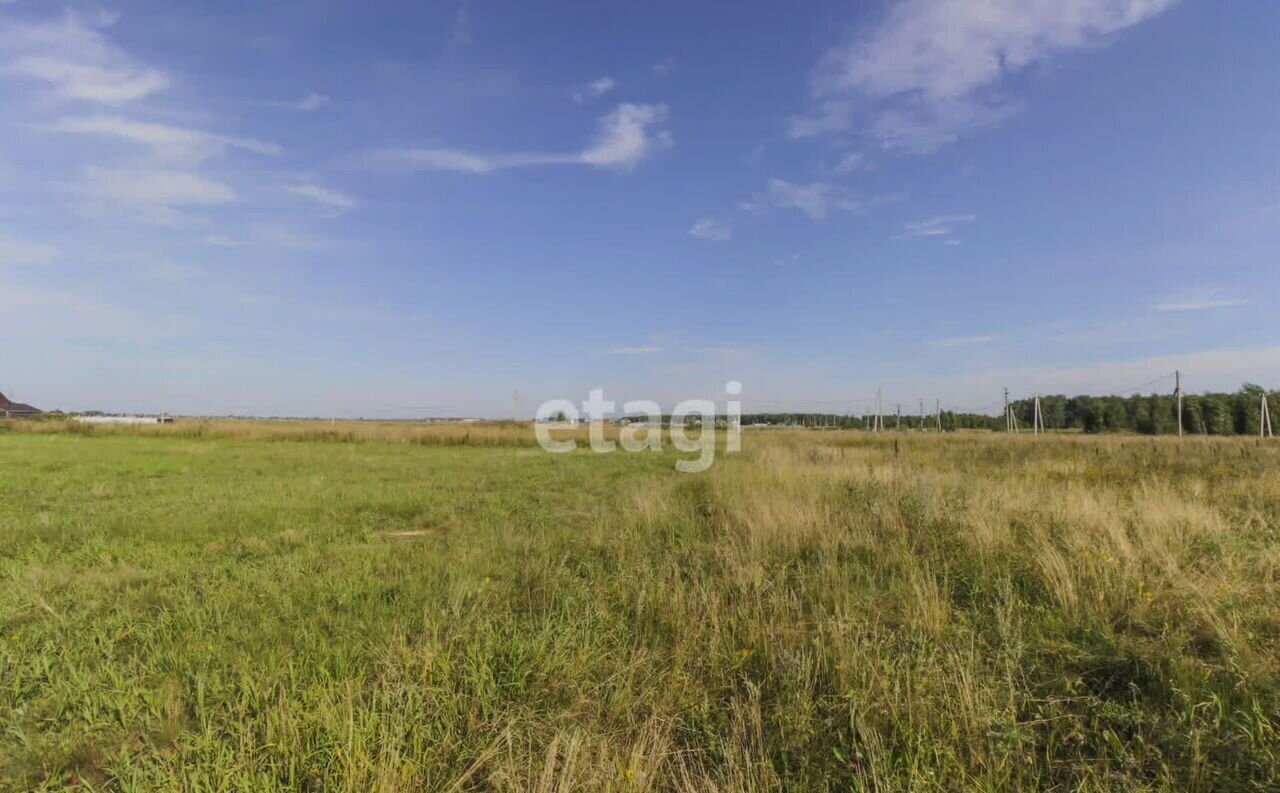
[{"x": 16, "y": 409}]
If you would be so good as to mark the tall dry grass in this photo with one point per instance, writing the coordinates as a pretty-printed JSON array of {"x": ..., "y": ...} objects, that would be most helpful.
[{"x": 824, "y": 611}]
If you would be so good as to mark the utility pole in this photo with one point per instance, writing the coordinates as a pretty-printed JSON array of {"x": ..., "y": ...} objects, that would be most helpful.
[
  {"x": 1264, "y": 421},
  {"x": 937, "y": 413},
  {"x": 1008, "y": 415},
  {"x": 1177, "y": 379},
  {"x": 879, "y": 425},
  {"x": 922, "y": 415},
  {"x": 1037, "y": 420},
  {"x": 898, "y": 424}
]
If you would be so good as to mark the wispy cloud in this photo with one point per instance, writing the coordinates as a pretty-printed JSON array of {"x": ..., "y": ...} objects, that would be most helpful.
[
  {"x": 812, "y": 199},
  {"x": 853, "y": 161},
  {"x": 223, "y": 241},
  {"x": 72, "y": 57},
  {"x": 1197, "y": 300},
  {"x": 461, "y": 34},
  {"x": 964, "y": 341},
  {"x": 172, "y": 272},
  {"x": 23, "y": 252},
  {"x": 723, "y": 352},
  {"x": 308, "y": 103},
  {"x": 645, "y": 350},
  {"x": 929, "y": 72},
  {"x": 165, "y": 141},
  {"x": 709, "y": 229},
  {"x": 941, "y": 227},
  {"x": 160, "y": 190},
  {"x": 594, "y": 89},
  {"x": 665, "y": 66},
  {"x": 815, "y": 199},
  {"x": 324, "y": 195},
  {"x": 826, "y": 117},
  {"x": 626, "y": 136}
]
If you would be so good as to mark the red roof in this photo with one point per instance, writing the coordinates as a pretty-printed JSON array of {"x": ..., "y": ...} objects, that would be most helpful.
[{"x": 15, "y": 407}]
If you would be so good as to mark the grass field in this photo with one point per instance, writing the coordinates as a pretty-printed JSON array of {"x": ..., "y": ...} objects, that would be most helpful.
[{"x": 239, "y": 607}]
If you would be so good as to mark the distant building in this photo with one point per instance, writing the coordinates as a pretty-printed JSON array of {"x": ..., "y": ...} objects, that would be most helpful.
[
  {"x": 124, "y": 419},
  {"x": 16, "y": 409}
]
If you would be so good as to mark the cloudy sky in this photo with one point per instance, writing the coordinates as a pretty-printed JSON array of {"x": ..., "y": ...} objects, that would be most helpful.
[{"x": 463, "y": 207}]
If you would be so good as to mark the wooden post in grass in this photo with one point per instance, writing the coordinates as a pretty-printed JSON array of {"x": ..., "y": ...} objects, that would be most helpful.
[
  {"x": 1264, "y": 420},
  {"x": 1177, "y": 379}
]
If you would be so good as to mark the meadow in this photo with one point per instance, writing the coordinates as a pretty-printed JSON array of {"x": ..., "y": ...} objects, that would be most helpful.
[{"x": 251, "y": 606}]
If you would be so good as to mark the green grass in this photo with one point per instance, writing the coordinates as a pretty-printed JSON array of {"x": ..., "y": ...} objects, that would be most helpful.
[{"x": 820, "y": 612}]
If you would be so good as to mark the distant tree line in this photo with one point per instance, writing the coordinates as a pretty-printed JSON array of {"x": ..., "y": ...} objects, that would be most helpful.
[
  {"x": 1155, "y": 414},
  {"x": 951, "y": 420}
]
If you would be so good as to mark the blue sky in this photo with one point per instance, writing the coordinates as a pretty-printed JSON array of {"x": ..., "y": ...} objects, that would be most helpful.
[{"x": 466, "y": 207}]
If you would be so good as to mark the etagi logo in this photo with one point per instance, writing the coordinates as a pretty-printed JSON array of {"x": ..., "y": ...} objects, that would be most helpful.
[{"x": 639, "y": 434}]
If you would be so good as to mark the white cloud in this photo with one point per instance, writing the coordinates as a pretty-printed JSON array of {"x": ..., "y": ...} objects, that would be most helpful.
[
  {"x": 851, "y": 162},
  {"x": 167, "y": 142},
  {"x": 1197, "y": 300},
  {"x": 930, "y": 70},
  {"x": 311, "y": 101},
  {"x": 324, "y": 195},
  {"x": 939, "y": 227},
  {"x": 626, "y": 136},
  {"x": 964, "y": 341},
  {"x": 829, "y": 116},
  {"x": 664, "y": 67},
  {"x": 223, "y": 241},
  {"x": 815, "y": 199},
  {"x": 1197, "y": 305},
  {"x": 158, "y": 188},
  {"x": 15, "y": 251},
  {"x": 77, "y": 61},
  {"x": 445, "y": 160},
  {"x": 810, "y": 199},
  {"x": 708, "y": 229},
  {"x": 594, "y": 89},
  {"x": 634, "y": 350}
]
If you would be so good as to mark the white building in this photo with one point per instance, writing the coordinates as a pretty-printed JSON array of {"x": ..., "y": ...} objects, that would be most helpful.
[{"x": 124, "y": 419}]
